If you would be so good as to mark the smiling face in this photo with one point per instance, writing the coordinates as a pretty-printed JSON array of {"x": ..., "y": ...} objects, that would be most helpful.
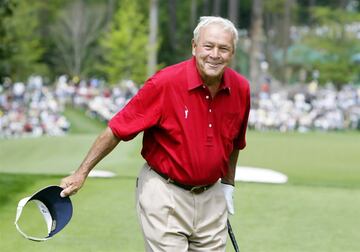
[{"x": 213, "y": 52}]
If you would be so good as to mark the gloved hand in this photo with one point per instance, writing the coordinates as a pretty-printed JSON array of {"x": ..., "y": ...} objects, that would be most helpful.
[{"x": 229, "y": 197}]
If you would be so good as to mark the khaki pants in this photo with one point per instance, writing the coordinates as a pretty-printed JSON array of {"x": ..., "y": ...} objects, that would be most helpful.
[{"x": 174, "y": 219}]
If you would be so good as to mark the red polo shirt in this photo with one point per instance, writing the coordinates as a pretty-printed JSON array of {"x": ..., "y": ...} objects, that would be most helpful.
[{"x": 187, "y": 134}]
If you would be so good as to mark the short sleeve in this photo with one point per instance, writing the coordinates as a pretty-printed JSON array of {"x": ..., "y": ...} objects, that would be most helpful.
[{"x": 141, "y": 112}]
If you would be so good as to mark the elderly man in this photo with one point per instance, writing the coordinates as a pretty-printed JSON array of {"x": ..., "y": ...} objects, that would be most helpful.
[{"x": 194, "y": 118}]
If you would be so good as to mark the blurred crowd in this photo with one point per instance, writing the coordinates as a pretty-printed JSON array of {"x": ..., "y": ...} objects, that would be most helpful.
[
  {"x": 35, "y": 109},
  {"x": 30, "y": 109},
  {"x": 306, "y": 108},
  {"x": 96, "y": 98}
]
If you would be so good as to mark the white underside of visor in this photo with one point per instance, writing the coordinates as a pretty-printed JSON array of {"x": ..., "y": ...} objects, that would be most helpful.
[{"x": 44, "y": 212}]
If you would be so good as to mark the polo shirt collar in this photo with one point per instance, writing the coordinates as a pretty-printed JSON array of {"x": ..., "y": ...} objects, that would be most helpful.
[{"x": 194, "y": 79}]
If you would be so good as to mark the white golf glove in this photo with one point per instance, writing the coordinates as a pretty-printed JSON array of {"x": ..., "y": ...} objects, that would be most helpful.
[{"x": 229, "y": 197}]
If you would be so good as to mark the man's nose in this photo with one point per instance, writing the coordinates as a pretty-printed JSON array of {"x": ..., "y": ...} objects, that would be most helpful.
[{"x": 215, "y": 52}]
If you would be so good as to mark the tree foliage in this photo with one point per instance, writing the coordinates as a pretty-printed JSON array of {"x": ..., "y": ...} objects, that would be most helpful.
[
  {"x": 75, "y": 34},
  {"x": 125, "y": 45},
  {"x": 334, "y": 38},
  {"x": 109, "y": 38},
  {"x": 5, "y": 13},
  {"x": 21, "y": 41}
]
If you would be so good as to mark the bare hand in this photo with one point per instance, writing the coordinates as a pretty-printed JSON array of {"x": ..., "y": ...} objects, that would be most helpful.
[
  {"x": 103, "y": 145},
  {"x": 71, "y": 184}
]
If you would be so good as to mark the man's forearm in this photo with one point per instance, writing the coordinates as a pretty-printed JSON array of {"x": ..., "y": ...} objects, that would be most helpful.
[
  {"x": 229, "y": 178},
  {"x": 102, "y": 146}
]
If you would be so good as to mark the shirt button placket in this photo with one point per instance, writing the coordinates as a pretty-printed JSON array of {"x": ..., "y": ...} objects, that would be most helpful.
[{"x": 210, "y": 128}]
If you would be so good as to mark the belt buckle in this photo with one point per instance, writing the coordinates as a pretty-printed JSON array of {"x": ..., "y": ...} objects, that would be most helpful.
[{"x": 198, "y": 189}]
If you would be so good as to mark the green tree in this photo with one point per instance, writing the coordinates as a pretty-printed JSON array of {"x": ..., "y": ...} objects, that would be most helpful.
[
  {"x": 75, "y": 34},
  {"x": 153, "y": 32},
  {"x": 21, "y": 40},
  {"x": 334, "y": 39},
  {"x": 125, "y": 45},
  {"x": 5, "y": 12}
]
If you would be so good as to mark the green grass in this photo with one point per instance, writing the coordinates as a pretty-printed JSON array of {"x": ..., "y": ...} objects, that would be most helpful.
[
  {"x": 61, "y": 155},
  {"x": 316, "y": 211},
  {"x": 81, "y": 124},
  {"x": 268, "y": 218},
  {"x": 297, "y": 218},
  {"x": 330, "y": 159},
  {"x": 98, "y": 224},
  {"x": 12, "y": 184},
  {"x": 315, "y": 158}
]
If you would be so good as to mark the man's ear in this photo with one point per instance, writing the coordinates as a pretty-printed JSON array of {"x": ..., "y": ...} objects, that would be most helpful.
[{"x": 193, "y": 46}]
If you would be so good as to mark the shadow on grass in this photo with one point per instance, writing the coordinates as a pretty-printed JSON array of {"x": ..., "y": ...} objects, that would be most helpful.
[{"x": 11, "y": 184}]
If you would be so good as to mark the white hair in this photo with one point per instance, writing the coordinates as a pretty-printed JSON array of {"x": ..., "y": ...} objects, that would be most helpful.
[{"x": 207, "y": 20}]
